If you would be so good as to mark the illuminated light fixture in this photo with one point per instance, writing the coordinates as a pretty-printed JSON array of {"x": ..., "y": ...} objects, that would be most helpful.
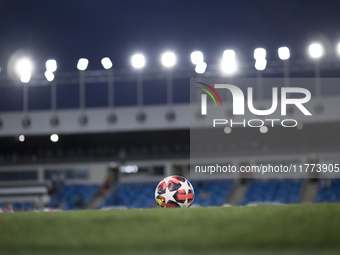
[
  {"x": 259, "y": 53},
  {"x": 228, "y": 67},
  {"x": 21, "y": 138},
  {"x": 338, "y": 48},
  {"x": 168, "y": 59},
  {"x": 315, "y": 50},
  {"x": 260, "y": 64},
  {"x": 54, "y": 138},
  {"x": 284, "y": 53},
  {"x": 49, "y": 76},
  {"x": 25, "y": 77},
  {"x": 51, "y": 65},
  {"x": 82, "y": 64},
  {"x": 138, "y": 61},
  {"x": 201, "y": 67},
  {"x": 263, "y": 129},
  {"x": 23, "y": 66},
  {"x": 106, "y": 63},
  {"x": 197, "y": 57},
  {"x": 128, "y": 169},
  {"x": 229, "y": 55},
  {"x": 24, "y": 69},
  {"x": 227, "y": 130},
  {"x": 229, "y": 63}
]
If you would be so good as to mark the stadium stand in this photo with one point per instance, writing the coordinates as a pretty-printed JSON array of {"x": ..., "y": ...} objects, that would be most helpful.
[
  {"x": 273, "y": 191},
  {"x": 133, "y": 195},
  {"x": 20, "y": 206},
  {"x": 212, "y": 193},
  {"x": 329, "y": 191},
  {"x": 75, "y": 196}
]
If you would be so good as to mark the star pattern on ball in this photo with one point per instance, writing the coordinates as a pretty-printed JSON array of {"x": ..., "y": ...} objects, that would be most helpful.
[
  {"x": 169, "y": 195},
  {"x": 186, "y": 188}
]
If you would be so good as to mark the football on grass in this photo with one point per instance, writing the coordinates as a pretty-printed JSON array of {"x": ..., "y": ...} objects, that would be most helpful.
[{"x": 174, "y": 191}]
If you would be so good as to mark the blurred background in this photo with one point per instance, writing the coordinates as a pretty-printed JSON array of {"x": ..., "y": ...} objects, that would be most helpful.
[{"x": 95, "y": 96}]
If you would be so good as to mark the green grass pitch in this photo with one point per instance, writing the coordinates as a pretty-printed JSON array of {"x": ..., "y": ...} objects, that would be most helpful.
[{"x": 273, "y": 229}]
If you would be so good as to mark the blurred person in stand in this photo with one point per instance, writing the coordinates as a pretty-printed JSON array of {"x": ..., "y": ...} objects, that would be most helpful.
[{"x": 8, "y": 208}]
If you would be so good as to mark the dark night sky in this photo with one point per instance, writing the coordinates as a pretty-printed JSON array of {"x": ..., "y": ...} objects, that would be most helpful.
[{"x": 67, "y": 30}]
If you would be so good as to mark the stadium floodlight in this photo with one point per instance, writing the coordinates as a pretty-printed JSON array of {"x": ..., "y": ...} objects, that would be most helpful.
[
  {"x": 284, "y": 53},
  {"x": 21, "y": 138},
  {"x": 315, "y": 50},
  {"x": 229, "y": 67},
  {"x": 227, "y": 130},
  {"x": 24, "y": 66},
  {"x": 260, "y": 64},
  {"x": 197, "y": 57},
  {"x": 106, "y": 63},
  {"x": 138, "y": 61},
  {"x": 228, "y": 62},
  {"x": 263, "y": 129},
  {"x": 54, "y": 138},
  {"x": 49, "y": 76},
  {"x": 228, "y": 55},
  {"x": 51, "y": 65},
  {"x": 168, "y": 59},
  {"x": 259, "y": 53},
  {"x": 201, "y": 67},
  {"x": 25, "y": 77},
  {"x": 82, "y": 64}
]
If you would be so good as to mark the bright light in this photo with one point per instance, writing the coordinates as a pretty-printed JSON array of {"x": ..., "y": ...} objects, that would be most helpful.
[
  {"x": 197, "y": 57},
  {"x": 229, "y": 63},
  {"x": 339, "y": 48},
  {"x": 54, "y": 138},
  {"x": 51, "y": 65},
  {"x": 106, "y": 62},
  {"x": 315, "y": 50},
  {"x": 82, "y": 64},
  {"x": 23, "y": 67},
  {"x": 25, "y": 77},
  {"x": 201, "y": 67},
  {"x": 260, "y": 64},
  {"x": 229, "y": 67},
  {"x": 21, "y": 138},
  {"x": 259, "y": 53},
  {"x": 227, "y": 130},
  {"x": 128, "y": 169},
  {"x": 138, "y": 61},
  {"x": 49, "y": 76},
  {"x": 228, "y": 55},
  {"x": 263, "y": 129},
  {"x": 284, "y": 53},
  {"x": 168, "y": 59}
]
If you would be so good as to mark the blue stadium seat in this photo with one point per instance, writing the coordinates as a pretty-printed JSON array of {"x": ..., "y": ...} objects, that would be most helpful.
[
  {"x": 134, "y": 195},
  {"x": 74, "y": 196},
  {"x": 212, "y": 192},
  {"x": 329, "y": 191},
  {"x": 19, "y": 206},
  {"x": 273, "y": 191}
]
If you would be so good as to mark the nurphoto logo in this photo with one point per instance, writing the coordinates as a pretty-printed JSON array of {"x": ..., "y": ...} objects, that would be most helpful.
[{"x": 238, "y": 104}]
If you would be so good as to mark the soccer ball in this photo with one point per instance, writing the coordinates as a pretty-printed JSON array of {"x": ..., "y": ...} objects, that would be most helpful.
[{"x": 174, "y": 191}]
